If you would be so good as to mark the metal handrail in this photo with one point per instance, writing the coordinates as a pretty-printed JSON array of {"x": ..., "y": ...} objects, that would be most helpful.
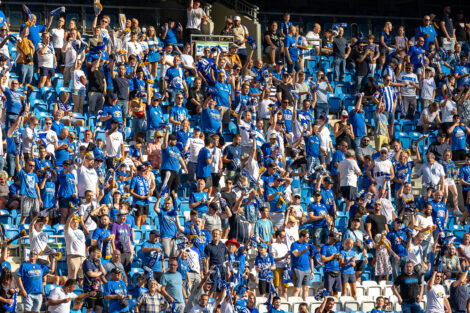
[{"x": 244, "y": 7}]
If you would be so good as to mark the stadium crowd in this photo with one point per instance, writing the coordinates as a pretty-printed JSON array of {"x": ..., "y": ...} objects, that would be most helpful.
[{"x": 204, "y": 183}]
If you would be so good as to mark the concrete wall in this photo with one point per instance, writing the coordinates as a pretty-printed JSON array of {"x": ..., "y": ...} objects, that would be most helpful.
[{"x": 220, "y": 12}]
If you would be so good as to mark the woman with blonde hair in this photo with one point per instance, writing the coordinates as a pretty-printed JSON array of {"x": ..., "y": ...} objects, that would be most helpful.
[
  {"x": 154, "y": 46},
  {"x": 401, "y": 41}
]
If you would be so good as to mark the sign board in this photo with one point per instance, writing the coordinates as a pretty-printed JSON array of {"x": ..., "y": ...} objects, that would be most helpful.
[{"x": 200, "y": 45}]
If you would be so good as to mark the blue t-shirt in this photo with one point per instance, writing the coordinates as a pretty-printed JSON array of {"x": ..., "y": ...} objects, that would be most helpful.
[
  {"x": 423, "y": 31},
  {"x": 403, "y": 171},
  {"x": 416, "y": 56},
  {"x": 329, "y": 250},
  {"x": 170, "y": 158},
  {"x": 302, "y": 262},
  {"x": 347, "y": 255},
  {"x": 358, "y": 122},
  {"x": 173, "y": 283},
  {"x": 48, "y": 195},
  {"x": 275, "y": 205},
  {"x": 287, "y": 113},
  {"x": 183, "y": 268},
  {"x": 154, "y": 116},
  {"x": 100, "y": 234},
  {"x": 460, "y": 70},
  {"x": 223, "y": 94},
  {"x": 140, "y": 185},
  {"x": 233, "y": 153},
  {"x": 116, "y": 288},
  {"x": 198, "y": 196},
  {"x": 204, "y": 66},
  {"x": 396, "y": 239},
  {"x": 459, "y": 138},
  {"x": 464, "y": 173},
  {"x": 13, "y": 101},
  {"x": 67, "y": 184},
  {"x": 34, "y": 33},
  {"x": 203, "y": 168},
  {"x": 338, "y": 156},
  {"x": 28, "y": 184},
  {"x": 174, "y": 78},
  {"x": 157, "y": 266},
  {"x": 114, "y": 111},
  {"x": 291, "y": 44},
  {"x": 62, "y": 154},
  {"x": 31, "y": 276},
  {"x": 318, "y": 209},
  {"x": 171, "y": 36},
  {"x": 265, "y": 263},
  {"x": 167, "y": 224},
  {"x": 179, "y": 114},
  {"x": 328, "y": 199},
  {"x": 438, "y": 214},
  {"x": 265, "y": 229},
  {"x": 211, "y": 120},
  {"x": 312, "y": 146}
]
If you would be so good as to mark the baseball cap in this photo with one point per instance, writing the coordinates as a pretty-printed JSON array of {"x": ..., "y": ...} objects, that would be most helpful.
[
  {"x": 263, "y": 245},
  {"x": 122, "y": 212},
  {"x": 279, "y": 62},
  {"x": 115, "y": 270},
  {"x": 141, "y": 168},
  {"x": 329, "y": 180},
  {"x": 344, "y": 113},
  {"x": 157, "y": 96},
  {"x": 237, "y": 18},
  {"x": 155, "y": 233},
  {"x": 113, "y": 95}
]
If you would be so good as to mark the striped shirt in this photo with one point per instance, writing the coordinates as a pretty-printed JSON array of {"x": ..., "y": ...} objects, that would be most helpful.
[{"x": 389, "y": 97}]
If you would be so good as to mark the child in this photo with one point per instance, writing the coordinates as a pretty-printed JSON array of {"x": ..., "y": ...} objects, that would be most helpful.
[
  {"x": 141, "y": 282},
  {"x": 383, "y": 267},
  {"x": 374, "y": 54},
  {"x": 48, "y": 192},
  {"x": 348, "y": 275},
  {"x": 450, "y": 172},
  {"x": 379, "y": 305},
  {"x": 264, "y": 264},
  {"x": 183, "y": 267}
]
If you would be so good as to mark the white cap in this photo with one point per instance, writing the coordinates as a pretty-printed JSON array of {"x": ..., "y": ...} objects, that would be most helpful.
[{"x": 237, "y": 18}]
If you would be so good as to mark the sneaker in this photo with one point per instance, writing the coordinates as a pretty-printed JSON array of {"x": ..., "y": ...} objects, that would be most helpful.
[{"x": 457, "y": 212}]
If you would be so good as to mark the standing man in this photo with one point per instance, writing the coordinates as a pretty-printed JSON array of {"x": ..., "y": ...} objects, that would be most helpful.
[
  {"x": 215, "y": 254},
  {"x": 437, "y": 301},
  {"x": 172, "y": 286},
  {"x": 29, "y": 190},
  {"x": 447, "y": 30},
  {"x": 94, "y": 275},
  {"x": 122, "y": 235},
  {"x": 75, "y": 247},
  {"x": 30, "y": 277},
  {"x": 341, "y": 51},
  {"x": 428, "y": 32},
  {"x": 348, "y": 175},
  {"x": 195, "y": 17},
  {"x": 153, "y": 252},
  {"x": 114, "y": 143},
  {"x": 410, "y": 290},
  {"x": 302, "y": 264}
]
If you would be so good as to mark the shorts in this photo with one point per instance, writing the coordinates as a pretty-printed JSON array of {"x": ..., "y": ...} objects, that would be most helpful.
[
  {"x": 142, "y": 209},
  {"x": 300, "y": 278},
  {"x": 348, "y": 192},
  {"x": 359, "y": 265},
  {"x": 32, "y": 303},
  {"x": 64, "y": 202},
  {"x": 46, "y": 71},
  {"x": 169, "y": 247},
  {"x": 215, "y": 179},
  {"x": 333, "y": 283},
  {"x": 29, "y": 206},
  {"x": 79, "y": 92},
  {"x": 348, "y": 278},
  {"x": 450, "y": 182},
  {"x": 263, "y": 286},
  {"x": 278, "y": 277},
  {"x": 74, "y": 266},
  {"x": 93, "y": 302},
  {"x": 295, "y": 66},
  {"x": 384, "y": 52},
  {"x": 390, "y": 117},
  {"x": 207, "y": 180}
]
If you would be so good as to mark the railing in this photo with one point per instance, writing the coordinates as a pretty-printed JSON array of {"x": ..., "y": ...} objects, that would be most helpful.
[
  {"x": 244, "y": 7},
  {"x": 202, "y": 41}
]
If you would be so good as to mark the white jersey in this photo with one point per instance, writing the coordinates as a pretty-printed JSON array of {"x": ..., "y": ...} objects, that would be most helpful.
[
  {"x": 113, "y": 144},
  {"x": 194, "y": 145},
  {"x": 58, "y": 38},
  {"x": 87, "y": 180},
  {"x": 435, "y": 299},
  {"x": 217, "y": 158},
  {"x": 38, "y": 242}
]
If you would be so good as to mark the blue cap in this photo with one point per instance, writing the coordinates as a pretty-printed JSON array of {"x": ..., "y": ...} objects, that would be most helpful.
[
  {"x": 197, "y": 128},
  {"x": 157, "y": 96},
  {"x": 279, "y": 62},
  {"x": 264, "y": 245},
  {"x": 121, "y": 173}
]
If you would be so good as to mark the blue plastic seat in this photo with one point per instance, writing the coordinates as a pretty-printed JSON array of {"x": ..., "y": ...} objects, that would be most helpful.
[{"x": 334, "y": 102}]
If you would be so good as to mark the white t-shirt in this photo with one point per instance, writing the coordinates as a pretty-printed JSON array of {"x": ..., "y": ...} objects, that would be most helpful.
[
  {"x": 313, "y": 39},
  {"x": 76, "y": 83},
  {"x": 187, "y": 60},
  {"x": 194, "y": 145},
  {"x": 70, "y": 56},
  {"x": 325, "y": 138},
  {"x": 51, "y": 138},
  {"x": 113, "y": 144},
  {"x": 347, "y": 169},
  {"x": 245, "y": 129},
  {"x": 87, "y": 180},
  {"x": 415, "y": 254},
  {"x": 431, "y": 116},
  {"x": 165, "y": 67},
  {"x": 435, "y": 299},
  {"x": 409, "y": 90},
  {"x": 448, "y": 110},
  {"x": 427, "y": 88},
  {"x": 58, "y": 293},
  {"x": 29, "y": 133},
  {"x": 423, "y": 222},
  {"x": 263, "y": 108},
  {"x": 38, "y": 242},
  {"x": 194, "y": 18},
  {"x": 47, "y": 59},
  {"x": 252, "y": 167},
  {"x": 133, "y": 48},
  {"x": 292, "y": 235},
  {"x": 387, "y": 209},
  {"x": 57, "y": 38},
  {"x": 279, "y": 250},
  {"x": 217, "y": 156},
  {"x": 83, "y": 212},
  {"x": 75, "y": 242}
]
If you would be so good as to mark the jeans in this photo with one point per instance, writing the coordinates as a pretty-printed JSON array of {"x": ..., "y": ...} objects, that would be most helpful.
[
  {"x": 11, "y": 166},
  {"x": 357, "y": 142},
  {"x": 8, "y": 120},
  {"x": 25, "y": 73},
  {"x": 124, "y": 107},
  {"x": 359, "y": 81},
  {"x": 339, "y": 68},
  {"x": 321, "y": 108},
  {"x": 320, "y": 235},
  {"x": 411, "y": 307}
]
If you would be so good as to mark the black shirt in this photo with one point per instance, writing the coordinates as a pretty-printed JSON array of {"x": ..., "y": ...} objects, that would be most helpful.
[
  {"x": 409, "y": 287},
  {"x": 460, "y": 33},
  {"x": 285, "y": 90},
  {"x": 438, "y": 149},
  {"x": 339, "y": 47},
  {"x": 239, "y": 226},
  {"x": 96, "y": 81},
  {"x": 215, "y": 253},
  {"x": 121, "y": 87},
  {"x": 275, "y": 38},
  {"x": 449, "y": 25},
  {"x": 377, "y": 222},
  {"x": 362, "y": 68},
  {"x": 197, "y": 95}
]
